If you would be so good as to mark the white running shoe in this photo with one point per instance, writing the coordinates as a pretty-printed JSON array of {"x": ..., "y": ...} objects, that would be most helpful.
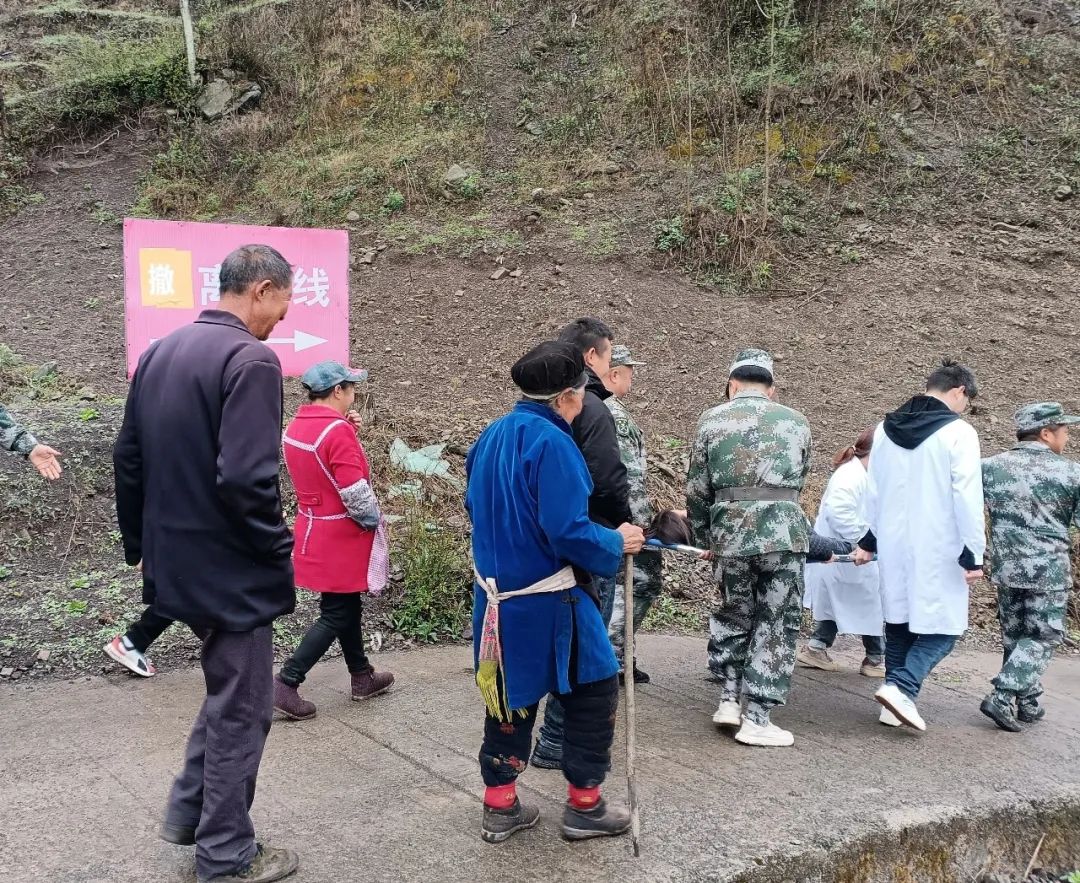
[
  {"x": 768, "y": 736},
  {"x": 899, "y": 704},
  {"x": 729, "y": 714},
  {"x": 121, "y": 650},
  {"x": 889, "y": 719}
]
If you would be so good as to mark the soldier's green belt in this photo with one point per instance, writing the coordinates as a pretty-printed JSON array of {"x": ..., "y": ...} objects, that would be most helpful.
[{"x": 757, "y": 495}]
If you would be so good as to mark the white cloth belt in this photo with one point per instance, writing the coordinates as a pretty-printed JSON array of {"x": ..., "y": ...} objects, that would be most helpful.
[{"x": 557, "y": 582}]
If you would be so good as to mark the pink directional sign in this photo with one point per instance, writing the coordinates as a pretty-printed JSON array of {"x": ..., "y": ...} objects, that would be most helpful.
[{"x": 171, "y": 275}]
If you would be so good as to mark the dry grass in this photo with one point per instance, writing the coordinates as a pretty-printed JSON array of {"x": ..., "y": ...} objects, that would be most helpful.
[{"x": 364, "y": 101}]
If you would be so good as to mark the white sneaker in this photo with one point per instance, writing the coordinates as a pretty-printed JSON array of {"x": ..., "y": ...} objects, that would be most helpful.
[
  {"x": 899, "y": 704},
  {"x": 121, "y": 650},
  {"x": 729, "y": 714},
  {"x": 768, "y": 736},
  {"x": 889, "y": 719}
]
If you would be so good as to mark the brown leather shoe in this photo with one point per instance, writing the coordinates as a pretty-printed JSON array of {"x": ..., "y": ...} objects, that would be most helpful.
[
  {"x": 370, "y": 683},
  {"x": 289, "y": 703}
]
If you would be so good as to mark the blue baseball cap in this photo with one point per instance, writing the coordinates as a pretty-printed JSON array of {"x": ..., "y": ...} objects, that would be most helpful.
[{"x": 326, "y": 375}]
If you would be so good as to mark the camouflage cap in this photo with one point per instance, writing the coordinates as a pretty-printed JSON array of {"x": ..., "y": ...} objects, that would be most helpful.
[
  {"x": 752, "y": 358},
  {"x": 327, "y": 375},
  {"x": 1032, "y": 418},
  {"x": 620, "y": 355}
]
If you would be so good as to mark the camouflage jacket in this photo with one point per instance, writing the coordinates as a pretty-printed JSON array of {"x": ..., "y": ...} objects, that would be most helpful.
[
  {"x": 1033, "y": 497},
  {"x": 13, "y": 437},
  {"x": 749, "y": 442},
  {"x": 632, "y": 453}
]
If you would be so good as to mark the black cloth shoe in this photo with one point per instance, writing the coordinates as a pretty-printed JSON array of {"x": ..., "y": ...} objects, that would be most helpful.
[
  {"x": 1002, "y": 715},
  {"x": 640, "y": 677},
  {"x": 499, "y": 824},
  {"x": 178, "y": 834},
  {"x": 544, "y": 761},
  {"x": 1029, "y": 711},
  {"x": 603, "y": 820}
]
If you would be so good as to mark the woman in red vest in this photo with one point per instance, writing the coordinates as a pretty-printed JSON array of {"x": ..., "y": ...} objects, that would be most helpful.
[{"x": 340, "y": 546}]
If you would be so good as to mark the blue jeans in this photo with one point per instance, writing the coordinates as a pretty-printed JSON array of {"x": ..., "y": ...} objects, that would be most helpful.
[
  {"x": 549, "y": 741},
  {"x": 825, "y": 632},
  {"x": 909, "y": 657}
]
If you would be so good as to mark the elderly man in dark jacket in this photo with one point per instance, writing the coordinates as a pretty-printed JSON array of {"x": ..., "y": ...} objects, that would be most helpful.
[
  {"x": 609, "y": 503},
  {"x": 199, "y": 508}
]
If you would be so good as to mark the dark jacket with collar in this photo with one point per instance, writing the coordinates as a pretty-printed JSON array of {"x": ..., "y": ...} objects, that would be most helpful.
[
  {"x": 197, "y": 493},
  {"x": 594, "y": 432}
]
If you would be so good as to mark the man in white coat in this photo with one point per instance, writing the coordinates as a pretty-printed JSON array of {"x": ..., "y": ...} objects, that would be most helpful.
[{"x": 925, "y": 510}]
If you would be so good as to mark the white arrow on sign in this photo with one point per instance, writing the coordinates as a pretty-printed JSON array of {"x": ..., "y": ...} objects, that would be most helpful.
[{"x": 300, "y": 341}]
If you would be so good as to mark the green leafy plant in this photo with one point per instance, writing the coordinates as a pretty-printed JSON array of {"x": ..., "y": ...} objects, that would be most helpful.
[
  {"x": 82, "y": 581},
  {"x": 669, "y": 614},
  {"x": 670, "y": 235},
  {"x": 88, "y": 414},
  {"x": 470, "y": 187},
  {"x": 761, "y": 274},
  {"x": 435, "y": 566},
  {"x": 394, "y": 202}
]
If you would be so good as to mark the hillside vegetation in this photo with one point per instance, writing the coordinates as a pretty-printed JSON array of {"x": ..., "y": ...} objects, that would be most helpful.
[{"x": 727, "y": 137}]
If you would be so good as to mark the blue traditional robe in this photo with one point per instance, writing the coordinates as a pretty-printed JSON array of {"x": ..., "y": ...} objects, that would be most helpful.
[{"x": 528, "y": 499}]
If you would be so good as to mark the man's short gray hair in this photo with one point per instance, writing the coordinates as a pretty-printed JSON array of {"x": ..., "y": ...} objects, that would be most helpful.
[{"x": 250, "y": 264}]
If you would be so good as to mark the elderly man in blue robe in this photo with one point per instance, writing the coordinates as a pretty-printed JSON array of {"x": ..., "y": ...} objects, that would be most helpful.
[{"x": 537, "y": 627}]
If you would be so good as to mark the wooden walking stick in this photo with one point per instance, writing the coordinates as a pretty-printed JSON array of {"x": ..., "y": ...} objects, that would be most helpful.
[{"x": 628, "y": 681}]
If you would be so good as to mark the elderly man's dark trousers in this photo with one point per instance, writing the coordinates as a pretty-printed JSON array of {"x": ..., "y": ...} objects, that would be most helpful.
[
  {"x": 589, "y": 731},
  {"x": 216, "y": 787}
]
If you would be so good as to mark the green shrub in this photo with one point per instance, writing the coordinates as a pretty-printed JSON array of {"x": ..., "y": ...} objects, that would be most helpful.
[
  {"x": 669, "y": 234},
  {"x": 435, "y": 565}
]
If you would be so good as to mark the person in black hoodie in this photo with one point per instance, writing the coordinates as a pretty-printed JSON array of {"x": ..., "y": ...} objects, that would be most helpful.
[
  {"x": 925, "y": 511},
  {"x": 609, "y": 504}
]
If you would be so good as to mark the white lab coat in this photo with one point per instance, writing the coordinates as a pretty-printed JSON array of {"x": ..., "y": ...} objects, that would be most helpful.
[
  {"x": 924, "y": 506},
  {"x": 848, "y": 595}
]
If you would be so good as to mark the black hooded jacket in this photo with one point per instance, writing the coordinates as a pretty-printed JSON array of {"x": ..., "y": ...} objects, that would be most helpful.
[
  {"x": 594, "y": 432},
  {"x": 916, "y": 420}
]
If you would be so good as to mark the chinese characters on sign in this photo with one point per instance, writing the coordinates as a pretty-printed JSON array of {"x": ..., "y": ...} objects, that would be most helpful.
[
  {"x": 172, "y": 274},
  {"x": 309, "y": 290}
]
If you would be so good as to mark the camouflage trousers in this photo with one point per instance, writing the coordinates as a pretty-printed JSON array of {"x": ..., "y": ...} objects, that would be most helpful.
[
  {"x": 648, "y": 584},
  {"x": 754, "y": 630},
  {"x": 1032, "y": 625}
]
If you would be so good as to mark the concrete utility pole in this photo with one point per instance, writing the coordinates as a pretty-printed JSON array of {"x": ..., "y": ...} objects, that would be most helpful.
[{"x": 189, "y": 42}]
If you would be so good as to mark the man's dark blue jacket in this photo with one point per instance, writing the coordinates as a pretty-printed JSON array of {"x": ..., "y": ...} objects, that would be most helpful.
[{"x": 197, "y": 492}]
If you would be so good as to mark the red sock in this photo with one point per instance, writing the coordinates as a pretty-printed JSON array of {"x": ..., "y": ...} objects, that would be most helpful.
[
  {"x": 583, "y": 798},
  {"x": 500, "y": 796}
]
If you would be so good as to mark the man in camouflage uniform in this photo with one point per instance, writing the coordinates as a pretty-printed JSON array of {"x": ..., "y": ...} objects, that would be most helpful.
[
  {"x": 747, "y": 468},
  {"x": 648, "y": 567},
  {"x": 18, "y": 440},
  {"x": 1033, "y": 497}
]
